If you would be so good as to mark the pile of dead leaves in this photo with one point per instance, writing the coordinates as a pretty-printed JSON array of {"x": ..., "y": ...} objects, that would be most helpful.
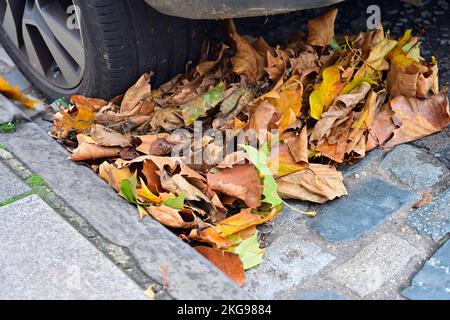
[{"x": 331, "y": 100}]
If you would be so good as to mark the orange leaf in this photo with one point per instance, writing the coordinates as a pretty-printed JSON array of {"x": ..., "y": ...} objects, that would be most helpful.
[
  {"x": 241, "y": 181},
  {"x": 228, "y": 262},
  {"x": 87, "y": 151},
  {"x": 243, "y": 220}
]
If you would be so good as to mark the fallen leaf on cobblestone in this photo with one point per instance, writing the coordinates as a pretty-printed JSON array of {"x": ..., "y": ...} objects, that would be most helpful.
[
  {"x": 321, "y": 183},
  {"x": 211, "y": 153},
  {"x": 228, "y": 262},
  {"x": 426, "y": 199}
]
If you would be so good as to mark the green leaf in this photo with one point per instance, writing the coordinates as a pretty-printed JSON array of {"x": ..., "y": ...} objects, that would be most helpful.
[
  {"x": 176, "y": 203},
  {"x": 199, "y": 107},
  {"x": 249, "y": 252},
  {"x": 128, "y": 189},
  {"x": 215, "y": 95},
  {"x": 7, "y": 127},
  {"x": 260, "y": 160},
  {"x": 335, "y": 45}
]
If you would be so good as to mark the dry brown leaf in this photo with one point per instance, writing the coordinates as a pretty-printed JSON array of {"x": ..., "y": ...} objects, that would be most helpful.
[
  {"x": 418, "y": 118},
  {"x": 320, "y": 184},
  {"x": 212, "y": 237},
  {"x": 276, "y": 64},
  {"x": 298, "y": 146},
  {"x": 403, "y": 81},
  {"x": 426, "y": 199},
  {"x": 139, "y": 91},
  {"x": 228, "y": 262},
  {"x": 242, "y": 181},
  {"x": 87, "y": 152},
  {"x": 113, "y": 175},
  {"x": 179, "y": 185},
  {"x": 428, "y": 81},
  {"x": 109, "y": 138},
  {"x": 96, "y": 104},
  {"x": 172, "y": 218},
  {"x": 321, "y": 29},
  {"x": 281, "y": 161},
  {"x": 247, "y": 62}
]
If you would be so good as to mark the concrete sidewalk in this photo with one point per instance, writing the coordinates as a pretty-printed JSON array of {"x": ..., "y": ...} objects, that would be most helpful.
[{"x": 43, "y": 257}]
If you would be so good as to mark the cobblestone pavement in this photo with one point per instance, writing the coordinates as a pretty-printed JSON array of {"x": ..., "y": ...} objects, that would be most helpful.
[{"x": 371, "y": 244}]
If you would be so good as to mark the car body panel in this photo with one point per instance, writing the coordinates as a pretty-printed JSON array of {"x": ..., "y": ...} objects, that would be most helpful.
[{"x": 220, "y": 9}]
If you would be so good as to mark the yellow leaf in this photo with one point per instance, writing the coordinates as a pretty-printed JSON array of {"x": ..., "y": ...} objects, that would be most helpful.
[
  {"x": 321, "y": 98},
  {"x": 398, "y": 49},
  {"x": 376, "y": 60},
  {"x": 147, "y": 194},
  {"x": 355, "y": 83},
  {"x": 13, "y": 93},
  {"x": 243, "y": 220}
]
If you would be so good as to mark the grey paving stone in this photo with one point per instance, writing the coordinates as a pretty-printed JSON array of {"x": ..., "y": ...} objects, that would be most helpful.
[
  {"x": 320, "y": 295},
  {"x": 376, "y": 264},
  {"x": 414, "y": 167},
  {"x": 43, "y": 257},
  {"x": 369, "y": 204},
  {"x": 432, "y": 282},
  {"x": 363, "y": 165},
  {"x": 287, "y": 261},
  {"x": 444, "y": 156},
  {"x": 190, "y": 275},
  {"x": 9, "y": 112},
  {"x": 10, "y": 185},
  {"x": 432, "y": 219}
]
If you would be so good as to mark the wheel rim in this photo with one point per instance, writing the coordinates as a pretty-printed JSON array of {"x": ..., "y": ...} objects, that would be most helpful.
[{"x": 47, "y": 34}]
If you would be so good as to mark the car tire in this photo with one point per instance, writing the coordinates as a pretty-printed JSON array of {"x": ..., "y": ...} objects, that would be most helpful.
[{"x": 122, "y": 39}]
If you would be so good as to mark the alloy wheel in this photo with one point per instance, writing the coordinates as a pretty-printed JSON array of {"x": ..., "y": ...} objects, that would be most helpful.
[{"x": 47, "y": 35}]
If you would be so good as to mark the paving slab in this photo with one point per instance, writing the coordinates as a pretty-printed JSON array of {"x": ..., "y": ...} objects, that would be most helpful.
[
  {"x": 287, "y": 261},
  {"x": 375, "y": 264},
  {"x": 152, "y": 246},
  {"x": 43, "y": 257},
  {"x": 368, "y": 205},
  {"x": 10, "y": 185},
  {"x": 433, "y": 280},
  {"x": 432, "y": 219},
  {"x": 9, "y": 112},
  {"x": 414, "y": 167}
]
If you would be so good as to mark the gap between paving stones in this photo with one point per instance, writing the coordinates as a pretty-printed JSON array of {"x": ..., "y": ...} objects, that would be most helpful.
[{"x": 118, "y": 255}]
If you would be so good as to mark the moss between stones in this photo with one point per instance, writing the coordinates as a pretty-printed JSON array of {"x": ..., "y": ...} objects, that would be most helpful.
[
  {"x": 17, "y": 198},
  {"x": 7, "y": 127},
  {"x": 38, "y": 185}
]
